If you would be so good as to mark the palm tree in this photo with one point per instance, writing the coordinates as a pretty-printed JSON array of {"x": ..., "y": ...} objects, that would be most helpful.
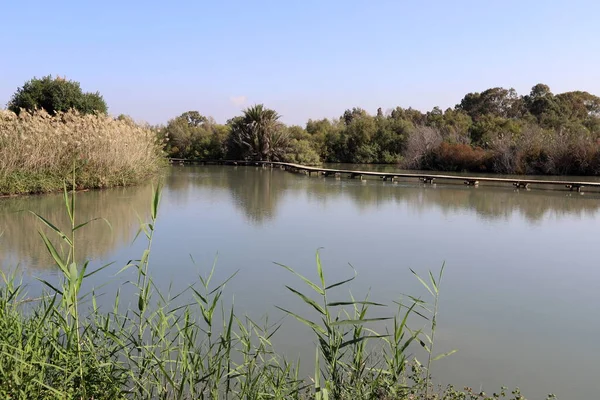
[{"x": 259, "y": 135}]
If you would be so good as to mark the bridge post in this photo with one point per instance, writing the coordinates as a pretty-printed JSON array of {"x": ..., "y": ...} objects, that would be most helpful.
[{"x": 574, "y": 186}]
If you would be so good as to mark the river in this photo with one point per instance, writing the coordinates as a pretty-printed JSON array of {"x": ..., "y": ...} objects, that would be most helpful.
[{"x": 519, "y": 299}]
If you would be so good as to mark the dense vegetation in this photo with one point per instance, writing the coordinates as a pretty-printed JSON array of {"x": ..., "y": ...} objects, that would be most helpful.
[
  {"x": 492, "y": 131},
  {"x": 55, "y": 95},
  {"x": 191, "y": 345},
  {"x": 38, "y": 151},
  {"x": 52, "y": 127}
]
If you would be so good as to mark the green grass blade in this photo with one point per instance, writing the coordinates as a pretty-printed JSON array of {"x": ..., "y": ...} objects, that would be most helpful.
[
  {"x": 155, "y": 202},
  {"x": 440, "y": 356},
  {"x": 358, "y": 321},
  {"x": 306, "y": 280},
  {"x": 306, "y": 322},
  {"x": 422, "y": 282},
  {"x": 54, "y": 253},
  {"x": 54, "y": 228},
  {"x": 320, "y": 270},
  {"x": 307, "y": 300},
  {"x": 351, "y": 303},
  {"x": 344, "y": 281},
  {"x": 92, "y": 220}
]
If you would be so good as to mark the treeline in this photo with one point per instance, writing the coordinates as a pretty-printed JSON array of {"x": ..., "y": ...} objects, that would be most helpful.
[{"x": 496, "y": 130}]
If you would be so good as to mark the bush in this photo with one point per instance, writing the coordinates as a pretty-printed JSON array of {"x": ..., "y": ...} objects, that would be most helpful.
[
  {"x": 458, "y": 157},
  {"x": 38, "y": 151},
  {"x": 419, "y": 144},
  {"x": 194, "y": 136},
  {"x": 301, "y": 152},
  {"x": 56, "y": 95}
]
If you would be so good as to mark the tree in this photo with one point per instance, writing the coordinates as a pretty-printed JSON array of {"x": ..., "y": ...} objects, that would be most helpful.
[
  {"x": 258, "y": 134},
  {"x": 496, "y": 101},
  {"x": 192, "y": 135},
  {"x": 55, "y": 95}
]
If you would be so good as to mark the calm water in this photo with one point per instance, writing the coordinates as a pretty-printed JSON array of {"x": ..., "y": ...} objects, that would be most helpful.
[{"x": 520, "y": 298}]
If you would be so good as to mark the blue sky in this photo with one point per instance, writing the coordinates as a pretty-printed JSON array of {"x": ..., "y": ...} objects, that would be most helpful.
[{"x": 307, "y": 59}]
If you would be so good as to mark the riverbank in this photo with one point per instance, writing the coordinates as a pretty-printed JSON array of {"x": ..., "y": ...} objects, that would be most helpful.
[{"x": 39, "y": 152}]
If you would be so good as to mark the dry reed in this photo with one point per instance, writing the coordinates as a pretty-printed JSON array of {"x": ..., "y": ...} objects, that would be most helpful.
[{"x": 39, "y": 151}]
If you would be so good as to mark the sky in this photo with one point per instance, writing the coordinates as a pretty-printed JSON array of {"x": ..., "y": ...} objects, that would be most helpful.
[{"x": 154, "y": 60}]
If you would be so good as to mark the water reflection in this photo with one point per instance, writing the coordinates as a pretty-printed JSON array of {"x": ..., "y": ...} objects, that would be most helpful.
[
  {"x": 258, "y": 192},
  {"x": 20, "y": 243},
  {"x": 512, "y": 256}
]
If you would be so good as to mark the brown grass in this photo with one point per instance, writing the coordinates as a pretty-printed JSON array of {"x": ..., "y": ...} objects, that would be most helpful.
[{"x": 38, "y": 151}]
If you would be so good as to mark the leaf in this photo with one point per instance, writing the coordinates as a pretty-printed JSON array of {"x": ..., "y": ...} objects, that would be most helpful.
[
  {"x": 306, "y": 280},
  {"x": 68, "y": 204},
  {"x": 422, "y": 282},
  {"x": 92, "y": 220},
  {"x": 222, "y": 285},
  {"x": 155, "y": 202},
  {"x": 73, "y": 273},
  {"x": 50, "y": 286},
  {"x": 344, "y": 281},
  {"x": 98, "y": 269},
  {"x": 320, "y": 270},
  {"x": 304, "y": 321},
  {"x": 433, "y": 283},
  {"x": 360, "y": 339},
  {"x": 54, "y": 228},
  {"x": 52, "y": 250},
  {"x": 350, "y": 303},
  {"x": 358, "y": 321},
  {"x": 440, "y": 356},
  {"x": 307, "y": 300}
]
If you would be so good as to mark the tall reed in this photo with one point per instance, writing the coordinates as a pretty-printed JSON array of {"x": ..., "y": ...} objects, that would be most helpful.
[{"x": 37, "y": 151}]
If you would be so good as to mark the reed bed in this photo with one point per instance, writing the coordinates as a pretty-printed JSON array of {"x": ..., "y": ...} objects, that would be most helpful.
[
  {"x": 38, "y": 151},
  {"x": 189, "y": 345}
]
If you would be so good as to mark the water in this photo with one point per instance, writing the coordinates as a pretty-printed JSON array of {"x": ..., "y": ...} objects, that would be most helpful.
[{"x": 519, "y": 299}]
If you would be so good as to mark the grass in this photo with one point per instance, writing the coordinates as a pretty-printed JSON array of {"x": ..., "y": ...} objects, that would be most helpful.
[
  {"x": 38, "y": 151},
  {"x": 52, "y": 348}
]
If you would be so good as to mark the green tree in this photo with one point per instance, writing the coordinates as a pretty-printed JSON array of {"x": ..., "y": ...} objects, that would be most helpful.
[
  {"x": 55, "y": 95},
  {"x": 496, "y": 101},
  {"x": 192, "y": 135},
  {"x": 258, "y": 134}
]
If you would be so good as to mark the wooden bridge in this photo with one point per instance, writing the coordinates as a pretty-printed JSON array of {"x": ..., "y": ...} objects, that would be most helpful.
[{"x": 395, "y": 176}]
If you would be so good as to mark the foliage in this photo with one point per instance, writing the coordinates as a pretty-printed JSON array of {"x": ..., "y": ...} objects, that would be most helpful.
[
  {"x": 193, "y": 136},
  {"x": 494, "y": 131},
  {"x": 458, "y": 157},
  {"x": 258, "y": 135},
  {"x": 51, "y": 348},
  {"x": 55, "y": 95},
  {"x": 38, "y": 151}
]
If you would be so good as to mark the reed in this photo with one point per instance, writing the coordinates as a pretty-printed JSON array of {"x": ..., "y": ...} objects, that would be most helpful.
[
  {"x": 189, "y": 345},
  {"x": 38, "y": 151}
]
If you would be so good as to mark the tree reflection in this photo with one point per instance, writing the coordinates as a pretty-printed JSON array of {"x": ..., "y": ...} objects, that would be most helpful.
[
  {"x": 20, "y": 243},
  {"x": 258, "y": 192}
]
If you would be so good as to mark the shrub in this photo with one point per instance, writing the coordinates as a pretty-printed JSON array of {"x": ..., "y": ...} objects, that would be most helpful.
[
  {"x": 301, "y": 152},
  {"x": 419, "y": 144},
  {"x": 458, "y": 157},
  {"x": 192, "y": 135},
  {"x": 55, "y": 95}
]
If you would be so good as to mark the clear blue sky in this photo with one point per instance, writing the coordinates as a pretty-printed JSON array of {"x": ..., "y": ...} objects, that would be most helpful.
[{"x": 307, "y": 59}]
